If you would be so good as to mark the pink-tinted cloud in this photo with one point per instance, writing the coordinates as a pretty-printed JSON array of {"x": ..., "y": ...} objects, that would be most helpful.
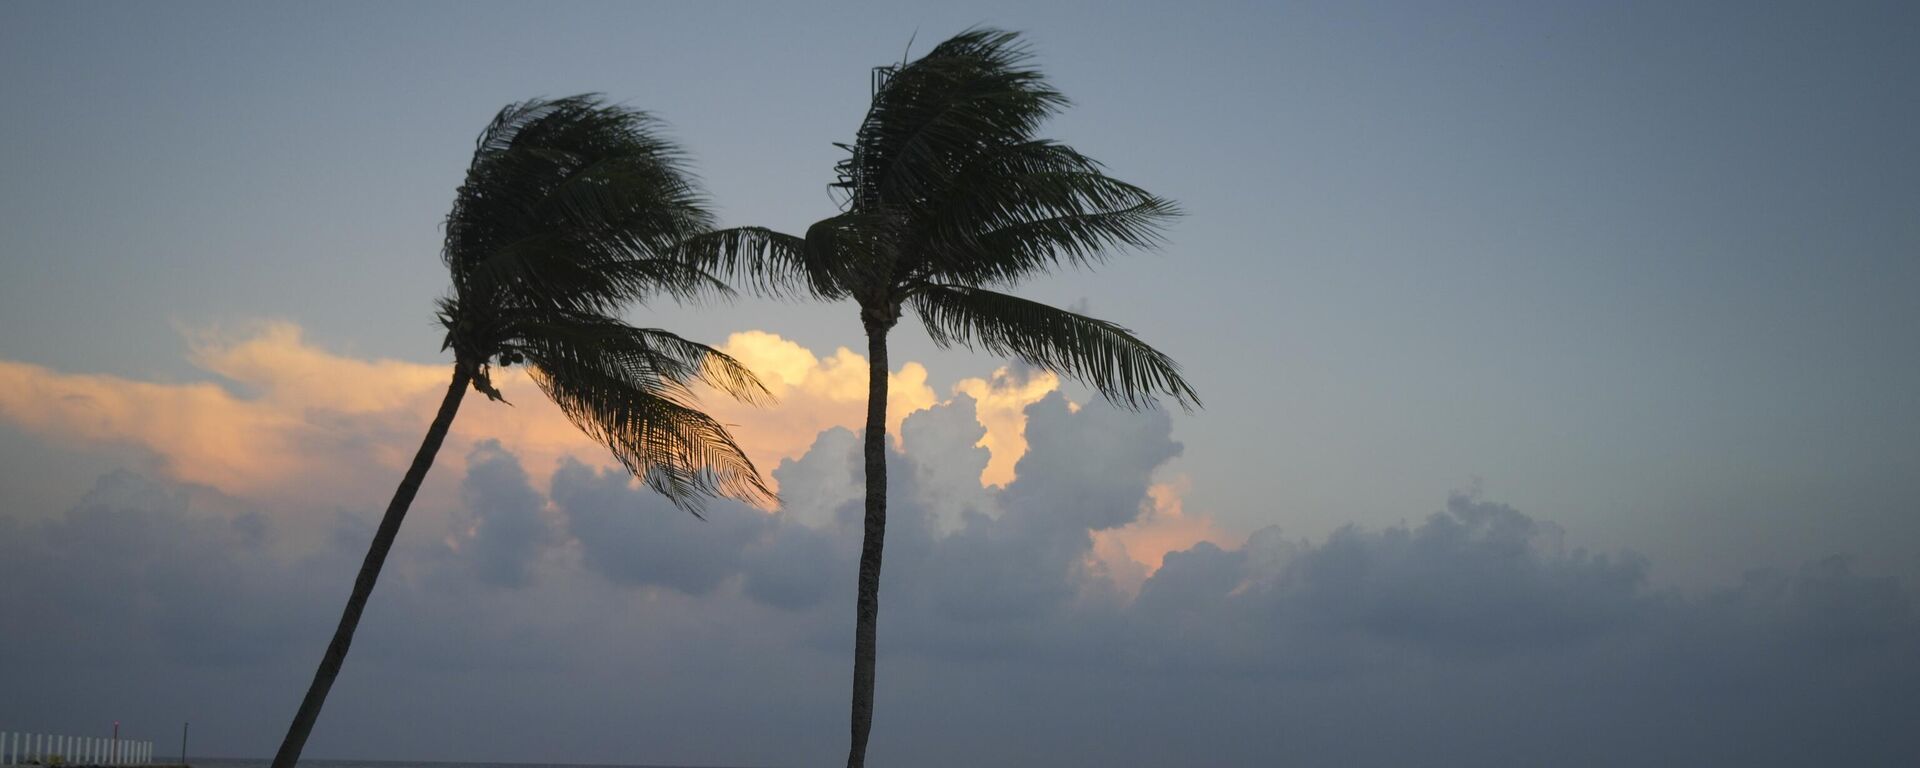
[{"x": 1133, "y": 552}]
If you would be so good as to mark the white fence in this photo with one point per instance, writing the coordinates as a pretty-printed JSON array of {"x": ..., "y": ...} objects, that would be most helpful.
[{"x": 48, "y": 749}]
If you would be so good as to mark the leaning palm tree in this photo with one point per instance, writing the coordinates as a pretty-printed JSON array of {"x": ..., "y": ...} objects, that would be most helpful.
[
  {"x": 570, "y": 208},
  {"x": 949, "y": 195}
]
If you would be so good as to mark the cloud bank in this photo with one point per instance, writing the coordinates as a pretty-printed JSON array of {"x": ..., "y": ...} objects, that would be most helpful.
[{"x": 572, "y": 617}]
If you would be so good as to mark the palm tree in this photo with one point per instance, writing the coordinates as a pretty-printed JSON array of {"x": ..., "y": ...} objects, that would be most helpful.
[
  {"x": 570, "y": 208},
  {"x": 949, "y": 194}
]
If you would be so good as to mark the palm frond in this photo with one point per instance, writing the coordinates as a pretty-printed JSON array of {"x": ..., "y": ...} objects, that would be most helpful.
[
  {"x": 773, "y": 262},
  {"x": 657, "y": 360},
  {"x": 970, "y": 92},
  {"x": 653, "y": 430},
  {"x": 1028, "y": 207},
  {"x": 551, "y": 270},
  {"x": 1103, "y": 355}
]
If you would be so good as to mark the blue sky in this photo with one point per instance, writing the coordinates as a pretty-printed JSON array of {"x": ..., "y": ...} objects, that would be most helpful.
[{"x": 1644, "y": 270}]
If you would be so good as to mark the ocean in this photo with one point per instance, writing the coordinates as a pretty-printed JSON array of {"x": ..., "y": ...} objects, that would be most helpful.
[{"x": 264, "y": 762}]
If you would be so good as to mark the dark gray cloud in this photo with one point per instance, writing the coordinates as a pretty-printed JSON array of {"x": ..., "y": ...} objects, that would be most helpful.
[
  {"x": 508, "y": 531},
  {"x": 637, "y": 538},
  {"x": 1475, "y": 635}
]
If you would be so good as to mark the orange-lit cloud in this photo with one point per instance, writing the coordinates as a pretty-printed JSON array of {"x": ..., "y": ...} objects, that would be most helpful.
[
  {"x": 814, "y": 393},
  {"x": 1131, "y": 553},
  {"x": 296, "y": 416},
  {"x": 290, "y": 415},
  {"x": 1000, "y": 403}
]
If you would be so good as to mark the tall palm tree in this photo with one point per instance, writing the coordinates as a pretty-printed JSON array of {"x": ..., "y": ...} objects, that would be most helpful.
[
  {"x": 570, "y": 208},
  {"x": 949, "y": 195}
]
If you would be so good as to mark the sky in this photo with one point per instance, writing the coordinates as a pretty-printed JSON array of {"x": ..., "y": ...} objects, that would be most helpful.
[{"x": 1558, "y": 366}]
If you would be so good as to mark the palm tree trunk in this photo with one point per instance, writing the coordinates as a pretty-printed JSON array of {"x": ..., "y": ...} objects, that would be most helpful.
[
  {"x": 867, "y": 614},
  {"x": 303, "y": 721}
]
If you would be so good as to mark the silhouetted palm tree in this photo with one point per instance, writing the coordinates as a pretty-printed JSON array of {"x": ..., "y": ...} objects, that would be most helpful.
[
  {"x": 570, "y": 208},
  {"x": 949, "y": 194}
]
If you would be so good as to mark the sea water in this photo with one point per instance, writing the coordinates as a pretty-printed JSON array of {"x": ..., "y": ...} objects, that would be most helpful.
[{"x": 264, "y": 762}]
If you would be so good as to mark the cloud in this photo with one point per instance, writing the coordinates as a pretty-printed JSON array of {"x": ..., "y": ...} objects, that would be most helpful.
[
  {"x": 292, "y": 419},
  {"x": 1079, "y": 614},
  {"x": 1000, "y": 405},
  {"x": 632, "y": 536},
  {"x": 507, "y": 530},
  {"x": 814, "y": 393},
  {"x": 1134, "y": 551},
  {"x": 287, "y": 418},
  {"x": 1474, "y": 636}
]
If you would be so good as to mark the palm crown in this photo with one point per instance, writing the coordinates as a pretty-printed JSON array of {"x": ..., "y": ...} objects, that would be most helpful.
[
  {"x": 949, "y": 195},
  {"x": 570, "y": 209}
]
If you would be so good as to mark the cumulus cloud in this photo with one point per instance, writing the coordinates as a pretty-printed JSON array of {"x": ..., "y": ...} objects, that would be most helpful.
[
  {"x": 288, "y": 418},
  {"x": 507, "y": 531},
  {"x": 1000, "y": 405},
  {"x": 634, "y": 537},
  {"x": 814, "y": 392},
  {"x": 561, "y": 605},
  {"x": 291, "y": 418}
]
